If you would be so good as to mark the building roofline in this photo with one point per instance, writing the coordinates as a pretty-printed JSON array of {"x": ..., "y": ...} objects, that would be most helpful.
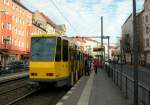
[
  {"x": 131, "y": 15},
  {"x": 48, "y": 20},
  {"x": 127, "y": 19},
  {"x": 21, "y": 5}
]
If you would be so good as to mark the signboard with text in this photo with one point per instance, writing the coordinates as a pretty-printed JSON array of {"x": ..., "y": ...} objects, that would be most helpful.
[{"x": 96, "y": 49}]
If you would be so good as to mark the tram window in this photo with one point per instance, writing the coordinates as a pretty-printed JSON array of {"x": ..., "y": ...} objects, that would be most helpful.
[
  {"x": 58, "y": 50},
  {"x": 65, "y": 50}
]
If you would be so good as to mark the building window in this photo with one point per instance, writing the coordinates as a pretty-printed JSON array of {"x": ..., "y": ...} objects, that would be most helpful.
[
  {"x": 9, "y": 26},
  {"x": 2, "y": 39},
  {"x": 6, "y": 2},
  {"x": 146, "y": 18},
  {"x": 27, "y": 45},
  {"x": 20, "y": 21},
  {"x": 12, "y": 41},
  {"x": 15, "y": 42},
  {"x": 20, "y": 11},
  {"x": 3, "y": 25},
  {"x": 16, "y": 30},
  {"x": 147, "y": 30},
  {"x": 13, "y": 6},
  {"x": 9, "y": 39},
  {"x": 19, "y": 43},
  {"x": 23, "y": 22},
  {"x": 13, "y": 17},
  {"x": 147, "y": 42},
  {"x": 22, "y": 33}
]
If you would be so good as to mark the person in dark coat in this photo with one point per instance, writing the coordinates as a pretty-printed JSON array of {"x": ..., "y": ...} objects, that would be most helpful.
[
  {"x": 95, "y": 63},
  {"x": 87, "y": 68}
]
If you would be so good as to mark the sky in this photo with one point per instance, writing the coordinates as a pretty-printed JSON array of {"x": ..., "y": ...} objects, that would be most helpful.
[{"x": 82, "y": 17}]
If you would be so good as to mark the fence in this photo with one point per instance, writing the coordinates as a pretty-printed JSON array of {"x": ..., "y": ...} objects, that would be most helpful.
[{"x": 122, "y": 76}]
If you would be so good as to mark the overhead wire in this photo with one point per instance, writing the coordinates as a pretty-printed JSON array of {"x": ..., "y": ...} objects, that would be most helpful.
[{"x": 64, "y": 16}]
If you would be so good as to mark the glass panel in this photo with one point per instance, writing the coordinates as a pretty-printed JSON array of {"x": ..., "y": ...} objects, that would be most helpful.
[
  {"x": 43, "y": 49},
  {"x": 65, "y": 50},
  {"x": 58, "y": 50}
]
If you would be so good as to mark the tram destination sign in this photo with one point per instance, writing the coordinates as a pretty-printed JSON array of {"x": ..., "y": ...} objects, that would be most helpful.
[{"x": 96, "y": 49}]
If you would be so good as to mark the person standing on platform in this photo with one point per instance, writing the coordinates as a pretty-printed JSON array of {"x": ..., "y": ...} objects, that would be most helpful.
[
  {"x": 95, "y": 63},
  {"x": 87, "y": 67}
]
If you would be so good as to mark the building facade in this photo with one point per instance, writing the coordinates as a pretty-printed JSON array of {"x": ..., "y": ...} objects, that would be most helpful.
[
  {"x": 60, "y": 29},
  {"x": 127, "y": 38},
  {"x": 14, "y": 30},
  {"x": 50, "y": 26},
  {"x": 146, "y": 30},
  {"x": 17, "y": 25}
]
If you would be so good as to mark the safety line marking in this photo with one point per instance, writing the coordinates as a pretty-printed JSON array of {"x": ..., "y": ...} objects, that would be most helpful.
[
  {"x": 69, "y": 92},
  {"x": 59, "y": 103},
  {"x": 84, "y": 98},
  {"x": 65, "y": 97}
]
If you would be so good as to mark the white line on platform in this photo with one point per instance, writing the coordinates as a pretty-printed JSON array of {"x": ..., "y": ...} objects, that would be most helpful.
[
  {"x": 84, "y": 98},
  {"x": 65, "y": 97},
  {"x": 73, "y": 88},
  {"x": 69, "y": 92},
  {"x": 59, "y": 103}
]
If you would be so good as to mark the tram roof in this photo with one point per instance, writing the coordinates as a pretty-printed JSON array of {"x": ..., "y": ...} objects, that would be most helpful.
[
  {"x": 53, "y": 35},
  {"x": 45, "y": 35}
]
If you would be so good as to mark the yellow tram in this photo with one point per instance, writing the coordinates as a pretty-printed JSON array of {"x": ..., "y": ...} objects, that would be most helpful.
[{"x": 55, "y": 59}]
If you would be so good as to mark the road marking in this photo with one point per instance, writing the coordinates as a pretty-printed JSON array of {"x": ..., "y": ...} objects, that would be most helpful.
[
  {"x": 65, "y": 97},
  {"x": 59, "y": 103},
  {"x": 84, "y": 98}
]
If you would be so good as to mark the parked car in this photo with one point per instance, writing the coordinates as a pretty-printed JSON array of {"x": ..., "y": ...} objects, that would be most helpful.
[{"x": 16, "y": 65}]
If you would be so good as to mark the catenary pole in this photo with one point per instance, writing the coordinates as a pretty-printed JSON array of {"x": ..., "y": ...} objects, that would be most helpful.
[{"x": 135, "y": 54}]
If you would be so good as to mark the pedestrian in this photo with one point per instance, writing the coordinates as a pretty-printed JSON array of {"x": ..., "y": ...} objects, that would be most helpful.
[
  {"x": 95, "y": 63},
  {"x": 0, "y": 65},
  {"x": 92, "y": 66},
  {"x": 87, "y": 67}
]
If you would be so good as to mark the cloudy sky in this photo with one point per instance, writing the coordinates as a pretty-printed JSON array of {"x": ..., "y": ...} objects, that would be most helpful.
[{"x": 82, "y": 17}]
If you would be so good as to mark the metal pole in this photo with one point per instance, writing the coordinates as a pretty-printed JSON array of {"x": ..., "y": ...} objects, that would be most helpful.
[
  {"x": 102, "y": 39},
  {"x": 121, "y": 65},
  {"x": 108, "y": 48},
  {"x": 135, "y": 54},
  {"x": 104, "y": 55},
  {"x": 102, "y": 31}
]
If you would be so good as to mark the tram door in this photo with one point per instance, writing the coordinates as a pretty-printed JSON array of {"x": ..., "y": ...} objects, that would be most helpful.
[
  {"x": 65, "y": 58},
  {"x": 58, "y": 59}
]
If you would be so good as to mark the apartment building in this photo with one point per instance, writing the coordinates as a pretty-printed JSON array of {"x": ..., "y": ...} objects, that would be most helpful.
[
  {"x": 127, "y": 38},
  {"x": 15, "y": 21},
  {"x": 146, "y": 31}
]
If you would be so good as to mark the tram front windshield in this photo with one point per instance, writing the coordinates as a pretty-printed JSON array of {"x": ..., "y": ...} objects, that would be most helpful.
[{"x": 43, "y": 49}]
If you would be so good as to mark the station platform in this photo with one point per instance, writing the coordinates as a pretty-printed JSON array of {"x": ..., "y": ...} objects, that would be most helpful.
[
  {"x": 96, "y": 89},
  {"x": 13, "y": 76}
]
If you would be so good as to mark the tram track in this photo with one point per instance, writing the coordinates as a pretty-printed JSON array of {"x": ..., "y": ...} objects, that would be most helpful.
[
  {"x": 21, "y": 97},
  {"x": 19, "y": 92},
  {"x": 11, "y": 86},
  {"x": 10, "y": 90},
  {"x": 43, "y": 96}
]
